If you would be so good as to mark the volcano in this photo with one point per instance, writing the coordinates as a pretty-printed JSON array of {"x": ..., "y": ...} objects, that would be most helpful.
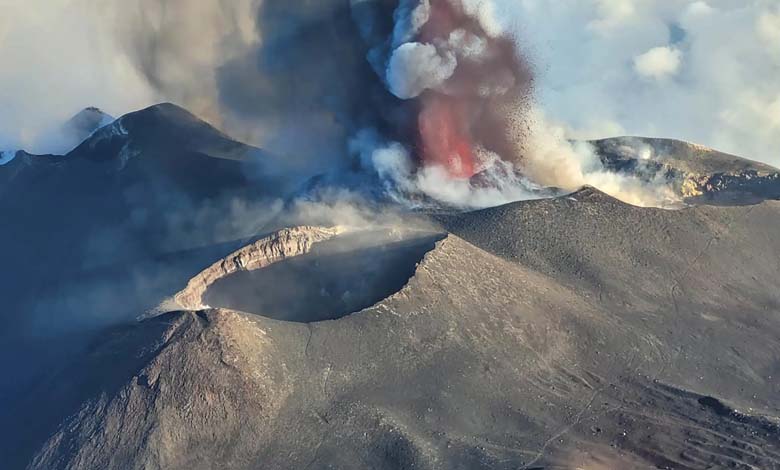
[
  {"x": 700, "y": 175},
  {"x": 523, "y": 338},
  {"x": 84, "y": 123},
  {"x": 574, "y": 331}
]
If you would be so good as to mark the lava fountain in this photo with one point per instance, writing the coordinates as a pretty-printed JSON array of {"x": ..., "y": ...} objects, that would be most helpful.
[
  {"x": 469, "y": 81},
  {"x": 444, "y": 135}
]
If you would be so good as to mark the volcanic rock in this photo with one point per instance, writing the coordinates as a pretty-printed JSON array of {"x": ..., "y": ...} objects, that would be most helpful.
[
  {"x": 572, "y": 332},
  {"x": 83, "y": 124},
  {"x": 281, "y": 245},
  {"x": 699, "y": 174}
]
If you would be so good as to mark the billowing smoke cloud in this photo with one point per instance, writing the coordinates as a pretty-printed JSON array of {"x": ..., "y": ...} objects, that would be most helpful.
[
  {"x": 553, "y": 160},
  {"x": 436, "y": 82},
  {"x": 470, "y": 80},
  {"x": 56, "y": 58},
  {"x": 444, "y": 86},
  {"x": 180, "y": 45}
]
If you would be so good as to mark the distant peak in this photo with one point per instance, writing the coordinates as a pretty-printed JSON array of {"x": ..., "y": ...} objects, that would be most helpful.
[
  {"x": 90, "y": 112},
  {"x": 85, "y": 122},
  {"x": 169, "y": 112},
  {"x": 170, "y": 116}
]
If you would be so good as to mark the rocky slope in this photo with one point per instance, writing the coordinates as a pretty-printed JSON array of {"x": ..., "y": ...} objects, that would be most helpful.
[
  {"x": 699, "y": 174},
  {"x": 83, "y": 124},
  {"x": 569, "y": 332},
  {"x": 112, "y": 223},
  {"x": 136, "y": 183},
  {"x": 577, "y": 332},
  {"x": 282, "y": 245}
]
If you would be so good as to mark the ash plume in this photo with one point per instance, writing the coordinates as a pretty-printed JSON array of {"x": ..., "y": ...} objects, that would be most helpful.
[
  {"x": 421, "y": 94},
  {"x": 468, "y": 78},
  {"x": 426, "y": 100},
  {"x": 444, "y": 89}
]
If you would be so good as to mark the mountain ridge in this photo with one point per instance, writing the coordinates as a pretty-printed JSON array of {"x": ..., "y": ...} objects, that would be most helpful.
[
  {"x": 573, "y": 374},
  {"x": 571, "y": 331},
  {"x": 698, "y": 174}
]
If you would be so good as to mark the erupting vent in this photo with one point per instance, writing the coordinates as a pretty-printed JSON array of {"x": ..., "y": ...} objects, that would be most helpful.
[
  {"x": 444, "y": 135},
  {"x": 468, "y": 79}
]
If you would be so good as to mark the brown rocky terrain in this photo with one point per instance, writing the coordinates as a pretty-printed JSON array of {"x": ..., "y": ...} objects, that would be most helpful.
[
  {"x": 572, "y": 332},
  {"x": 576, "y": 332},
  {"x": 284, "y": 244}
]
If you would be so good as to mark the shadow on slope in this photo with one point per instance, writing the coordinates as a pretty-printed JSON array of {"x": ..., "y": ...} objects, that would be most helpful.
[{"x": 337, "y": 278}]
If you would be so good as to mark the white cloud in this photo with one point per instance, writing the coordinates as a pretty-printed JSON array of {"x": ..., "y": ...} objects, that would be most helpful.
[
  {"x": 415, "y": 67},
  {"x": 768, "y": 27},
  {"x": 699, "y": 8},
  {"x": 57, "y": 57},
  {"x": 612, "y": 14},
  {"x": 658, "y": 63},
  {"x": 592, "y": 57},
  {"x": 597, "y": 73}
]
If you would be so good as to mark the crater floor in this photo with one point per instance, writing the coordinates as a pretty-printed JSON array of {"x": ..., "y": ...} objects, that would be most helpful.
[{"x": 337, "y": 278}]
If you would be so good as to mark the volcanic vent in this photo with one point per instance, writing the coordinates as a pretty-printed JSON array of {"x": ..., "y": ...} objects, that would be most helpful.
[
  {"x": 457, "y": 95},
  {"x": 310, "y": 274}
]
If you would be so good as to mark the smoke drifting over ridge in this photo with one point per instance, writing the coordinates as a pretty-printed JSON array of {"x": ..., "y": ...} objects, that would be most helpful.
[
  {"x": 311, "y": 80},
  {"x": 427, "y": 94},
  {"x": 437, "y": 85}
]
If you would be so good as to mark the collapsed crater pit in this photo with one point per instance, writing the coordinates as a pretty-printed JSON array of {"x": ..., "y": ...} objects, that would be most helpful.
[{"x": 333, "y": 278}]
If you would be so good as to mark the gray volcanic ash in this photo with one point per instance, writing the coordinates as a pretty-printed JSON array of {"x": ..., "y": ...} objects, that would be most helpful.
[{"x": 419, "y": 93}]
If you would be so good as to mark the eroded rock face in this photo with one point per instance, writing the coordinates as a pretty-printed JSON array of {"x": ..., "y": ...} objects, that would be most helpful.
[
  {"x": 281, "y": 245},
  {"x": 697, "y": 174},
  {"x": 736, "y": 187},
  {"x": 335, "y": 279}
]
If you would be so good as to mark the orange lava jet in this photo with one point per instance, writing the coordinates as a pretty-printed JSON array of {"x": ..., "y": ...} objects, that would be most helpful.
[
  {"x": 444, "y": 135},
  {"x": 443, "y": 120},
  {"x": 470, "y": 109}
]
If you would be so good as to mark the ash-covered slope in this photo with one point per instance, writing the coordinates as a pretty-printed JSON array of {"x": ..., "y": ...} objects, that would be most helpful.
[
  {"x": 162, "y": 129},
  {"x": 130, "y": 192},
  {"x": 699, "y": 174},
  {"x": 578, "y": 332},
  {"x": 703, "y": 276},
  {"x": 163, "y": 142},
  {"x": 128, "y": 183},
  {"x": 133, "y": 208},
  {"x": 488, "y": 356},
  {"x": 84, "y": 123}
]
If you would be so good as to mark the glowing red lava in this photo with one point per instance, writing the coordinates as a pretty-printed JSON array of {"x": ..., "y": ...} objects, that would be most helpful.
[
  {"x": 443, "y": 120},
  {"x": 444, "y": 135}
]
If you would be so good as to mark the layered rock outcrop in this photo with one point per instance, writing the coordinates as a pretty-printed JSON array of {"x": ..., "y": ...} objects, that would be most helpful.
[{"x": 281, "y": 245}]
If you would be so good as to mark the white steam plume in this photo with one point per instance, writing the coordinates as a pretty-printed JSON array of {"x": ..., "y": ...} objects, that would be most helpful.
[
  {"x": 415, "y": 67},
  {"x": 551, "y": 159}
]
